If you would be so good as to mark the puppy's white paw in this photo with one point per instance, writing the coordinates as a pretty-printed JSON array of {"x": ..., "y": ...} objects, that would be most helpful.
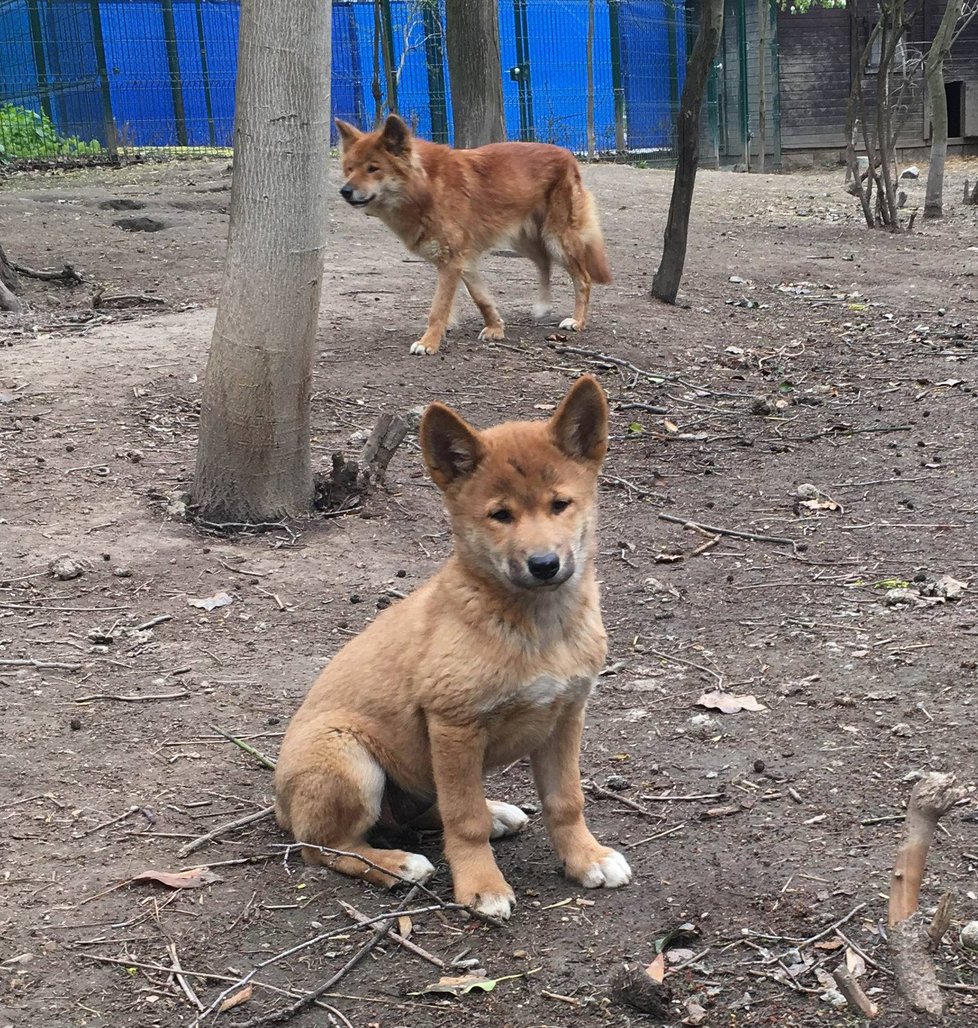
[
  {"x": 417, "y": 868},
  {"x": 496, "y": 904},
  {"x": 541, "y": 310},
  {"x": 492, "y": 332},
  {"x": 611, "y": 872},
  {"x": 420, "y": 348},
  {"x": 506, "y": 819},
  {"x": 568, "y": 325}
]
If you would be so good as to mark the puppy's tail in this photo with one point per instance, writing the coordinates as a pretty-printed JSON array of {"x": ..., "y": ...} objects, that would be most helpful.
[{"x": 595, "y": 256}]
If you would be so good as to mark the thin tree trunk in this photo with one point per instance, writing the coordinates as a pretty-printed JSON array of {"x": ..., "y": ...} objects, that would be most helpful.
[
  {"x": 253, "y": 459},
  {"x": 8, "y": 283},
  {"x": 937, "y": 100},
  {"x": 665, "y": 284},
  {"x": 590, "y": 80},
  {"x": 474, "y": 71},
  {"x": 763, "y": 18}
]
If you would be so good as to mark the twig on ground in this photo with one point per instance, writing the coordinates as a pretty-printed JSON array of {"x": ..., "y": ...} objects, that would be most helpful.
[
  {"x": 607, "y": 794},
  {"x": 248, "y": 526},
  {"x": 658, "y": 835},
  {"x": 45, "y": 665},
  {"x": 65, "y": 274},
  {"x": 171, "y": 948},
  {"x": 395, "y": 936},
  {"x": 608, "y": 359},
  {"x": 688, "y": 663},
  {"x": 844, "y": 430},
  {"x": 756, "y": 537},
  {"x": 153, "y": 622},
  {"x": 109, "y": 824},
  {"x": 134, "y": 697},
  {"x": 241, "y": 822},
  {"x": 247, "y": 747}
]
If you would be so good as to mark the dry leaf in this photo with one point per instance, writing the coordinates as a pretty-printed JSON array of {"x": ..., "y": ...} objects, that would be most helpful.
[
  {"x": 820, "y": 505},
  {"x": 855, "y": 963},
  {"x": 657, "y": 969},
  {"x": 671, "y": 426},
  {"x": 404, "y": 926},
  {"x": 727, "y": 703},
  {"x": 195, "y": 878},
  {"x": 466, "y": 983},
  {"x": 241, "y": 996},
  {"x": 829, "y": 944}
]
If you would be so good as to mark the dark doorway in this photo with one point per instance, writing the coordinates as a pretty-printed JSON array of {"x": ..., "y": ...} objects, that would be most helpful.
[{"x": 954, "y": 91}]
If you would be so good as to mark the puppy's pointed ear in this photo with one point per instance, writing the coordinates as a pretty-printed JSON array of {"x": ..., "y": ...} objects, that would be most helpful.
[
  {"x": 349, "y": 134},
  {"x": 579, "y": 426},
  {"x": 396, "y": 136},
  {"x": 450, "y": 446}
]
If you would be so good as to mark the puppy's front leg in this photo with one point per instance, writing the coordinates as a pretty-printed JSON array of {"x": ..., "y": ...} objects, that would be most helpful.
[
  {"x": 556, "y": 770},
  {"x": 449, "y": 276},
  {"x": 457, "y": 755}
]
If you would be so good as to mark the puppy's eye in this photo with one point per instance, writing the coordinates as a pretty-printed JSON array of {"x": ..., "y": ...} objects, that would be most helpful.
[
  {"x": 503, "y": 516},
  {"x": 372, "y": 169},
  {"x": 559, "y": 506}
]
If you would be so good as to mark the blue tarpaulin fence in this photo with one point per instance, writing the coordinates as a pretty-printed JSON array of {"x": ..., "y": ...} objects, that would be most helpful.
[{"x": 139, "y": 74}]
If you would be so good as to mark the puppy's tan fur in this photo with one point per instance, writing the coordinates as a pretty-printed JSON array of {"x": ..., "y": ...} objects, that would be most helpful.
[
  {"x": 451, "y": 206},
  {"x": 482, "y": 665}
]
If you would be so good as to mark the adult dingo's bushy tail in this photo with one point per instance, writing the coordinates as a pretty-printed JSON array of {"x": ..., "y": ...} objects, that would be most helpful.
[{"x": 595, "y": 257}]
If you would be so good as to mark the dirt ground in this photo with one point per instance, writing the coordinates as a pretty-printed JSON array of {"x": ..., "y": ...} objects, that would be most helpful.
[{"x": 806, "y": 351}]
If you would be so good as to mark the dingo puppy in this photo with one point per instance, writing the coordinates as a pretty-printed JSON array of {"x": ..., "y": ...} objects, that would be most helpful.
[
  {"x": 491, "y": 660},
  {"x": 451, "y": 206}
]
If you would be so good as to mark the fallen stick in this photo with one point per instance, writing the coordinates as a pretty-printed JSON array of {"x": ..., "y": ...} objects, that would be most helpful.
[
  {"x": 910, "y": 944},
  {"x": 607, "y": 794},
  {"x": 186, "y": 987},
  {"x": 66, "y": 274},
  {"x": 133, "y": 697},
  {"x": 241, "y": 822},
  {"x": 247, "y": 747},
  {"x": 848, "y": 985},
  {"x": 398, "y": 938},
  {"x": 43, "y": 664},
  {"x": 756, "y": 537}
]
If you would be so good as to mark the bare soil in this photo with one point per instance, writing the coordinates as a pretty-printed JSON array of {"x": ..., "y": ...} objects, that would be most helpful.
[{"x": 807, "y": 351}]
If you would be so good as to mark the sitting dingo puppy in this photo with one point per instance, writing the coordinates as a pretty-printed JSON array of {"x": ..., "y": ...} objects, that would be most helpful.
[{"x": 491, "y": 660}]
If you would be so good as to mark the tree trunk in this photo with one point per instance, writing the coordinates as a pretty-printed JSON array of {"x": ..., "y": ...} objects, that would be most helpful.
[
  {"x": 763, "y": 20},
  {"x": 665, "y": 284},
  {"x": 253, "y": 459},
  {"x": 8, "y": 283},
  {"x": 937, "y": 100},
  {"x": 474, "y": 71}
]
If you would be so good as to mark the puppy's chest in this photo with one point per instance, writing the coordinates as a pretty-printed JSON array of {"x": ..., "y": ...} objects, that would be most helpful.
[{"x": 538, "y": 693}]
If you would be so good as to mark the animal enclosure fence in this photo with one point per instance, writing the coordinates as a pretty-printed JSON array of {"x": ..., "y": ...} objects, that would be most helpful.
[{"x": 95, "y": 79}]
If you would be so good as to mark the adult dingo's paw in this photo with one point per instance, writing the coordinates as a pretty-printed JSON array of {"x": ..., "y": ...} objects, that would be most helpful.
[
  {"x": 422, "y": 348},
  {"x": 506, "y": 819},
  {"x": 492, "y": 332},
  {"x": 416, "y": 868},
  {"x": 611, "y": 871},
  {"x": 570, "y": 325},
  {"x": 541, "y": 310}
]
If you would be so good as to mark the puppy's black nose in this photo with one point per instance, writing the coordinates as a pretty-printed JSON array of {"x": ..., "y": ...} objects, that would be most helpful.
[
  {"x": 346, "y": 192},
  {"x": 543, "y": 565}
]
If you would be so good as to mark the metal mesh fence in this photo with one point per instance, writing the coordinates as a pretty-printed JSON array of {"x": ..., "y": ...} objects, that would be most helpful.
[{"x": 96, "y": 79}]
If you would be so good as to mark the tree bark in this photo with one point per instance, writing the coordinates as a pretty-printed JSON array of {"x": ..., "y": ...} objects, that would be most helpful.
[
  {"x": 665, "y": 284},
  {"x": 937, "y": 101},
  {"x": 474, "y": 71},
  {"x": 253, "y": 458},
  {"x": 589, "y": 59},
  {"x": 8, "y": 283}
]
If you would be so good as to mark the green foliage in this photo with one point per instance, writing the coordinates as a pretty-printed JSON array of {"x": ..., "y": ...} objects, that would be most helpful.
[
  {"x": 802, "y": 6},
  {"x": 25, "y": 133}
]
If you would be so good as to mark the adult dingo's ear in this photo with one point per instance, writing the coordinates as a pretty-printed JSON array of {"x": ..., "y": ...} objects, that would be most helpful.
[
  {"x": 451, "y": 447},
  {"x": 579, "y": 426},
  {"x": 349, "y": 134},
  {"x": 396, "y": 136}
]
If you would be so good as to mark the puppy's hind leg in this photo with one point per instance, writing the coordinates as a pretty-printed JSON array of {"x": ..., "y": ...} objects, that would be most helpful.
[{"x": 331, "y": 801}]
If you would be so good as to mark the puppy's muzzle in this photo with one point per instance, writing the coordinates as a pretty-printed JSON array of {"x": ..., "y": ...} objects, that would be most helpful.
[
  {"x": 350, "y": 195},
  {"x": 543, "y": 566}
]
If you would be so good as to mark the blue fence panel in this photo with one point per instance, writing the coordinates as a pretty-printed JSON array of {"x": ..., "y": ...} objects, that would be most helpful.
[
  {"x": 18, "y": 73},
  {"x": 653, "y": 49},
  {"x": 72, "y": 72}
]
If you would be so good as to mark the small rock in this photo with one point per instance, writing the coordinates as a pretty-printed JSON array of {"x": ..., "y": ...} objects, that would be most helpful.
[
  {"x": 945, "y": 588},
  {"x": 902, "y": 598},
  {"x": 122, "y": 572},
  {"x": 702, "y": 726},
  {"x": 64, "y": 568},
  {"x": 759, "y": 766},
  {"x": 901, "y": 731},
  {"x": 912, "y": 172},
  {"x": 762, "y": 407},
  {"x": 617, "y": 783},
  {"x": 75, "y": 724},
  {"x": 969, "y": 935}
]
